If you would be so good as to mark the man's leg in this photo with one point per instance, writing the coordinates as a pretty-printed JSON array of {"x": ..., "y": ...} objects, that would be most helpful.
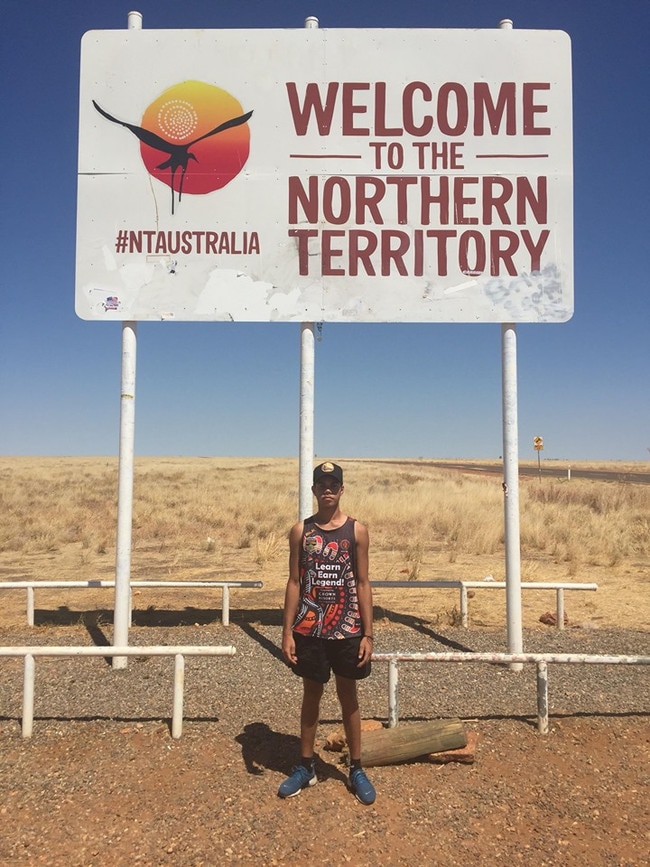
[
  {"x": 304, "y": 774},
  {"x": 309, "y": 714},
  {"x": 346, "y": 689}
]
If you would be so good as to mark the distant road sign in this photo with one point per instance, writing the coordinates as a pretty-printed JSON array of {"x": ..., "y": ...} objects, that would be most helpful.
[{"x": 538, "y": 444}]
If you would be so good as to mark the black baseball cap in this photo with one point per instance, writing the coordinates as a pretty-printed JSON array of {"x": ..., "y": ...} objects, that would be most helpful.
[{"x": 328, "y": 469}]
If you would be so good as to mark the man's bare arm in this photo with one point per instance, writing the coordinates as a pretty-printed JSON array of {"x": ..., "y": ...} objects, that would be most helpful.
[
  {"x": 292, "y": 594},
  {"x": 364, "y": 591}
]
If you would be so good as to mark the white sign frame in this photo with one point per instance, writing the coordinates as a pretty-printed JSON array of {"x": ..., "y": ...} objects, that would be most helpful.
[{"x": 436, "y": 188}]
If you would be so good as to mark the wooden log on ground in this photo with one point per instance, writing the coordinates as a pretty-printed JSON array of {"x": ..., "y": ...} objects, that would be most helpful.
[{"x": 410, "y": 740}]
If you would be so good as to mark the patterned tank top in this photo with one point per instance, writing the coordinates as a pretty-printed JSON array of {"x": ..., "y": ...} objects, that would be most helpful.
[{"x": 329, "y": 607}]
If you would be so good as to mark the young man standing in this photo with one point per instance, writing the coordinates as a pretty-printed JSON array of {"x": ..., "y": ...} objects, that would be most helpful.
[{"x": 328, "y": 624}]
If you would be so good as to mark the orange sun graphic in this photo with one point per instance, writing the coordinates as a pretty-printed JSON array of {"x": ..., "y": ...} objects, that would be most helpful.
[{"x": 190, "y": 116}]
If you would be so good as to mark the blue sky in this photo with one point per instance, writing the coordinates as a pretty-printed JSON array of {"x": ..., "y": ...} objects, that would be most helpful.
[{"x": 416, "y": 390}]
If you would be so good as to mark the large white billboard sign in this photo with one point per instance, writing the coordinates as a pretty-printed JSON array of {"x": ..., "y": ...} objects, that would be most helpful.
[{"x": 325, "y": 175}]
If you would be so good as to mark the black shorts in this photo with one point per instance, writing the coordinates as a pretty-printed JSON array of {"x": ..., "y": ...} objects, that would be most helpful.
[{"x": 319, "y": 657}]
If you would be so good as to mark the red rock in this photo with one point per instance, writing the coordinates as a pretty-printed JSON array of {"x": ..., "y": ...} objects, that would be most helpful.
[
  {"x": 371, "y": 725},
  {"x": 550, "y": 618},
  {"x": 335, "y": 742},
  {"x": 465, "y": 755}
]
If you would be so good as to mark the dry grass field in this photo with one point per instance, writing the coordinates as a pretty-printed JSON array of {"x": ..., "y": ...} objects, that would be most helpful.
[{"x": 216, "y": 518}]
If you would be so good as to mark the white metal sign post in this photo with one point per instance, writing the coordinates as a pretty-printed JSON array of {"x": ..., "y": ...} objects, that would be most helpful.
[
  {"x": 124, "y": 541},
  {"x": 306, "y": 441},
  {"x": 320, "y": 175},
  {"x": 307, "y": 399},
  {"x": 122, "y": 611},
  {"x": 511, "y": 489}
]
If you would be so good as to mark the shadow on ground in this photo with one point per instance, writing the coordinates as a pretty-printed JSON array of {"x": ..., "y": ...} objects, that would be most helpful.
[
  {"x": 194, "y": 616},
  {"x": 265, "y": 749}
]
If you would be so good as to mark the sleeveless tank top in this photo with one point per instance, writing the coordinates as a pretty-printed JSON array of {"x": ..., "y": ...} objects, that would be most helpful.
[{"x": 329, "y": 607}]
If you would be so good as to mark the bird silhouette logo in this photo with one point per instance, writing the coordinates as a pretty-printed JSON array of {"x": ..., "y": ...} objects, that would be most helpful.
[{"x": 201, "y": 129}]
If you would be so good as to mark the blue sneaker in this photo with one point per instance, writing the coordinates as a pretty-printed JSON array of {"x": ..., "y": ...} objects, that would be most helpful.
[
  {"x": 298, "y": 779},
  {"x": 361, "y": 787}
]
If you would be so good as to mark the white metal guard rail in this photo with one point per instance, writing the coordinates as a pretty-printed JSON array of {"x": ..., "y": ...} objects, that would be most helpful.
[
  {"x": 464, "y": 586},
  {"x": 541, "y": 660},
  {"x": 91, "y": 584},
  {"x": 179, "y": 653}
]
